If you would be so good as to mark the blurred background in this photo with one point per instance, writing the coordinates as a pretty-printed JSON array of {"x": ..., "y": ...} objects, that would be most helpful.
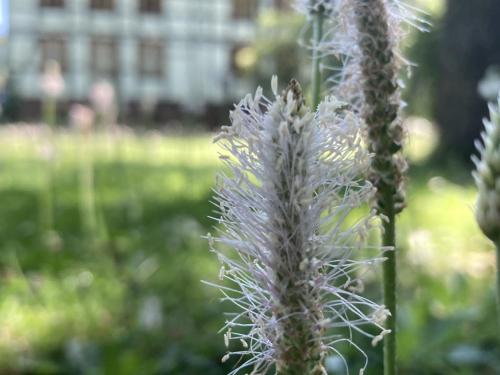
[{"x": 106, "y": 169}]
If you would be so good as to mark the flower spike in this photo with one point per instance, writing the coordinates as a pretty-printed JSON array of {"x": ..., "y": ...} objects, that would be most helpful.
[{"x": 285, "y": 244}]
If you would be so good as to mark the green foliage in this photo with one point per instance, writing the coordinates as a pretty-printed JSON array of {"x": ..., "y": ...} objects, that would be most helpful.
[
  {"x": 77, "y": 308},
  {"x": 71, "y": 307}
]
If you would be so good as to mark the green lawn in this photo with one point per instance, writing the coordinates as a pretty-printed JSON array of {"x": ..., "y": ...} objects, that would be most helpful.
[{"x": 128, "y": 299}]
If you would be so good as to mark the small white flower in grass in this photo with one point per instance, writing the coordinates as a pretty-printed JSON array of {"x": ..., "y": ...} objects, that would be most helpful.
[
  {"x": 52, "y": 81},
  {"x": 102, "y": 97},
  {"x": 82, "y": 117},
  {"x": 288, "y": 253}
]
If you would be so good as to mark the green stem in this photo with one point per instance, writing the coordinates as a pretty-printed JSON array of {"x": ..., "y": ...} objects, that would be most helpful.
[
  {"x": 46, "y": 200},
  {"x": 47, "y": 195},
  {"x": 88, "y": 206},
  {"x": 389, "y": 281},
  {"x": 318, "y": 19},
  {"x": 50, "y": 112}
]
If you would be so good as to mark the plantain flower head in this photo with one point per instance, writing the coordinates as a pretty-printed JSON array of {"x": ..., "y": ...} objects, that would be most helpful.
[
  {"x": 290, "y": 256},
  {"x": 362, "y": 38},
  {"x": 487, "y": 176},
  {"x": 82, "y": 117},
  {"x": 52, "y": 81},
  {"x": 102, "y": 97}
]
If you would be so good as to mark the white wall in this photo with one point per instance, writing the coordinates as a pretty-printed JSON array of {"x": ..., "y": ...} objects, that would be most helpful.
[{"x": 198, "y": 35}]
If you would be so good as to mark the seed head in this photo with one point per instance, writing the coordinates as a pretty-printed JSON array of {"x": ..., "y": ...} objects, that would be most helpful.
[{"x": 362, "y": 37}]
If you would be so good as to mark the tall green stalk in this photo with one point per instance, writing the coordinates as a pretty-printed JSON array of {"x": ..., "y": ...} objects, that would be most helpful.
[
  {"x": 88, "y": 207},
  {"x": 318, "y": 18},
  {"x": 49, "y": 112},
  {"x": 83, "y": 119},
  {"x": 52, "y": 85},
  {"x": 389, "y": 284},
  {"x": 380, "y": 108},
  {"x": 47, "y": 194}
]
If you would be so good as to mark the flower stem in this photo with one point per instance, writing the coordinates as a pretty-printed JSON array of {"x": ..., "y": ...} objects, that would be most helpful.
[
  {"x": 318, "y": 19},
  {"x": 47, "y": 198},
  {"x": 389, "y": 282},
  {"x": 88, "y": 205},
  {"x": 50, "y": 112}
]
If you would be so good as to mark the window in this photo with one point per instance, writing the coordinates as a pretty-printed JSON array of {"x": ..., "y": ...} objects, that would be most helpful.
[
  {"x": 102, "y": 4},
  {"x": 151, "y": 58},
  {"x": 52, "y": 3},
  {"x": 282, "y": 4},
  {"x": 53, "y": 47},
  {"x": 244, "y": 9},
  {"x": 104, "y": 59},
  {"x": 150, "y": 6}
]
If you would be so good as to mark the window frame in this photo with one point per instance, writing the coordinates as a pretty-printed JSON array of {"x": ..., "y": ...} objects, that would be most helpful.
[
  {"x": 60, "y": 39},
  {"x": 102, "y": 5},
  {"x": 142, "y": 46},
  {"x": 53, "y": 4},
  {"x": 111, "y": 42},
  {"x": 244, "y": 9},
  {"x": 282, "y": 5},
  {"x": 144, "y": 7}
]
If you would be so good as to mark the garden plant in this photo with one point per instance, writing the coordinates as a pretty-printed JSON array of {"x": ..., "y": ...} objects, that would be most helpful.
[{"x": 284, "y": 321}]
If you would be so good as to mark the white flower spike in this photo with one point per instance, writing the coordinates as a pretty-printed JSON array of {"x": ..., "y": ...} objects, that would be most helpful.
[
  {"x": 285, "y": 242},
  {"x": 487, "y": 175}
]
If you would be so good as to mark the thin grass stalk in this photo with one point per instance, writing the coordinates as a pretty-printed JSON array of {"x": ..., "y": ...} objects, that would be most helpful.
[
  {"x": 318, "y": 18},
  {"x": 52, "y": 85},
  {"x": 389, "y": 284},
  {"x": 47, "y": 200},
  {"x": 83, "y": 118},
  {"x": 88, "y": 207},
  {"x": 49, "y": 112},
  {"x": 47, "y": 194}
]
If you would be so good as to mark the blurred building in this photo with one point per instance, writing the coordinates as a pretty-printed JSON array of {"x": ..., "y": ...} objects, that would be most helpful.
[{"x": 160, "y": 55}]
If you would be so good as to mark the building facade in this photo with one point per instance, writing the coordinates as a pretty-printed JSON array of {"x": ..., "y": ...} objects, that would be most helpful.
[{"x": 179, "y": 52}]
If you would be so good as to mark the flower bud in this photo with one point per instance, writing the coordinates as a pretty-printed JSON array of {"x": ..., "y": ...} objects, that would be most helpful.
[{"x": 487, "y": 176}]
